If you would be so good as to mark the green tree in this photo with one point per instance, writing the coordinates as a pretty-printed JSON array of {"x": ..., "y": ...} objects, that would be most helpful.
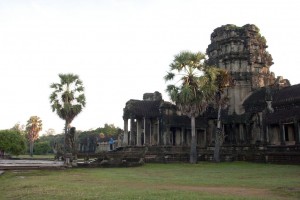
[
  {"x": 20, "y": 128},
  {"x": 42, "y": 148},
  {"x": 33, "y": 127},
  {"x": 12, "y": 141},
  {"x": 67, "y": 100},
  {"x": 50, "y": 131},
  {"x": 110, "y": 130},
  {"x": 190, "y": 92}
]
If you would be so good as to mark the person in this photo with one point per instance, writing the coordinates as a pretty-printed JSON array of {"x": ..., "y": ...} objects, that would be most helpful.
[{"x": 111, "y": 143}]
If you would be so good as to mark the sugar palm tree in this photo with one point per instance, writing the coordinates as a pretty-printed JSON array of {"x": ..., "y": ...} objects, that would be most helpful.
[
  {"x": 67, "y": 99},
  {"x": 222, "y": 81},
  {"x": 190, "y": 92},
  {"x": 33, "y": 127}
]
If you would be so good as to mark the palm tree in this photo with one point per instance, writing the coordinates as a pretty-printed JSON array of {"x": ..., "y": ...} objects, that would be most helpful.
[
  {"x": 190, "y": 92},
  {"x": 33, "y": 127},
  {"x": 67, "y": 100},
  {"x": 222, "y": 81}
]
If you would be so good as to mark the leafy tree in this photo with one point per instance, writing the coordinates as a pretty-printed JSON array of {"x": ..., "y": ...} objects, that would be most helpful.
[
  {"x": 12, "y": 141},
  {"x": 67, "y": 99},
  {"x": 191, "y": 93},
  {"x": 33, "y": 127},
  {"x": 42, "y": 148},
  {"x": 50, "y": 131},
  {"x": 53, "y": 140},
  {"x": 19, "y": 128},
  {"x": 110, "y": 130}
]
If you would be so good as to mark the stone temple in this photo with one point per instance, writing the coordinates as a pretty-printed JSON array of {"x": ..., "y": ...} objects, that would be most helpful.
[{"x": 261, "y": 122}]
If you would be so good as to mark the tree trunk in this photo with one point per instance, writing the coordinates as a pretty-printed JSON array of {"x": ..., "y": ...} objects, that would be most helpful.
[
  {"x": 193, "y": 155},
  {"x": 31, "y": 148},
  {"x": 218, "y": 137},
  {"x": 65, "y": 140}
]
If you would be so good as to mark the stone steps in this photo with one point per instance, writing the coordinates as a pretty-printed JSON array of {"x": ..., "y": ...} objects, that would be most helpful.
[{"x": 30, "y": 164}]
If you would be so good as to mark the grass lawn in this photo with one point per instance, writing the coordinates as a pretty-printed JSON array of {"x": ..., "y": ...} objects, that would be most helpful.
[{"x": 237, "y": 180}]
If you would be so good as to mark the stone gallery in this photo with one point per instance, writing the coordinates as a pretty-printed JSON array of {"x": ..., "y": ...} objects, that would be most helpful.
[{"x": 261, "y": 122}]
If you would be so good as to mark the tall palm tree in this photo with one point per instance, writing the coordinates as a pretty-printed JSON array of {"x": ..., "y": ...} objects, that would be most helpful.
[
  {"x": 33, "y": 127},
  {"x": 221, "y": 81},
  {"x": 190, "y": 91},
  {"x": 67, "y": 100}
]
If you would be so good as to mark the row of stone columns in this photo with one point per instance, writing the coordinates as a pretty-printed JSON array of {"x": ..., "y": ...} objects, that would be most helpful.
[
  {"x": 264, "y": 134},
  {"x": 145, "y": 131},
  {"x": 143, "y": 136},
  {"x": 142, "y": 132}
]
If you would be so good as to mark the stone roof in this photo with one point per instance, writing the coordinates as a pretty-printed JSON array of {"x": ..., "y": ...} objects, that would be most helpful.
[
  {"x": 142, "y": 108},
  {"x": 284, "y": 116},
  {"x": 151, "y": 109},
  {"x": 287, "y": 95},
  {"x": 256, "y": 101},
  {"x": 285, "y": 101},
  {"x": 283, "y": 97}
]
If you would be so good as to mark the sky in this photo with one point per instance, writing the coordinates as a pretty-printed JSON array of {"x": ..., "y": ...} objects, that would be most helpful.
[{"x": 120, "y": 49}]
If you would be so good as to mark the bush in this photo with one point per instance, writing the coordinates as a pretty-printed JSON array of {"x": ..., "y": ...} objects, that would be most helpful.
[
  {"x": 12, "y": 142},
  {"x": 42, "y": 148}
]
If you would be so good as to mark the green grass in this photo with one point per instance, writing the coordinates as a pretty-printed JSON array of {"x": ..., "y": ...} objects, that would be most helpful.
[{"x": 238, "y": 180}]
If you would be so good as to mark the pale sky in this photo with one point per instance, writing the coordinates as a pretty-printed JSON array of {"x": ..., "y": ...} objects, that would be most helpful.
[{"x": 120, "y": 49}]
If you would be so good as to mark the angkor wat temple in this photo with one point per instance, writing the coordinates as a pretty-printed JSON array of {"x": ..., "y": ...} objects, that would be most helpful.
[{"x": 261, "y": 122}]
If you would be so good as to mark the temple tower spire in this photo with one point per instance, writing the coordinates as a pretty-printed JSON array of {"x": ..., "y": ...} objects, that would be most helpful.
[{"x": 241, "y": 51}]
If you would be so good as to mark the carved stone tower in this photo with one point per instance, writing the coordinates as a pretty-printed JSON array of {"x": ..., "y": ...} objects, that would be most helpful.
[{"x": 241, "y": 51}]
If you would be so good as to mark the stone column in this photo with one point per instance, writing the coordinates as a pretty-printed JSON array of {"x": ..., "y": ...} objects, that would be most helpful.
[
  {"x": 131, "y": 131},
  {"x": 282, "y": 134},
  {"x": 139, "y": 132},
  {"x": 267, "y": 137},
  {"x": 232, "y": 134},
  {"x": 145, "y": 129},
  {"x": 158, "y": 133},
  {"x": 241, "y": 134},
  {"x": 261, "y": 130},
  {"x": 201, "y": 138},
  {"x": 248, "y": 134},
  {"x": 297, "y": 132},
  {"x": 150, "y": 132},
  {"x": 165, "y": 135},
  {"x": 125, "y": 139},
  {"x": 182, "y": 136}
]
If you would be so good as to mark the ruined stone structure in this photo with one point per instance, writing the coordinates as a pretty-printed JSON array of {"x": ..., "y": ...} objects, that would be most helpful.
[
  {"x": 242, "y": 52},
  {"x": 263, "y": 111}
]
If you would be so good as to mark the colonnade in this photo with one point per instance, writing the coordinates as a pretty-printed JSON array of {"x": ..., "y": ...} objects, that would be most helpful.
[{"x": 152, "y": 131}]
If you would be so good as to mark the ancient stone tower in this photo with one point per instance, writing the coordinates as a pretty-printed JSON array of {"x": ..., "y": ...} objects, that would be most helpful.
[{"x": 241, "y": 51}]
